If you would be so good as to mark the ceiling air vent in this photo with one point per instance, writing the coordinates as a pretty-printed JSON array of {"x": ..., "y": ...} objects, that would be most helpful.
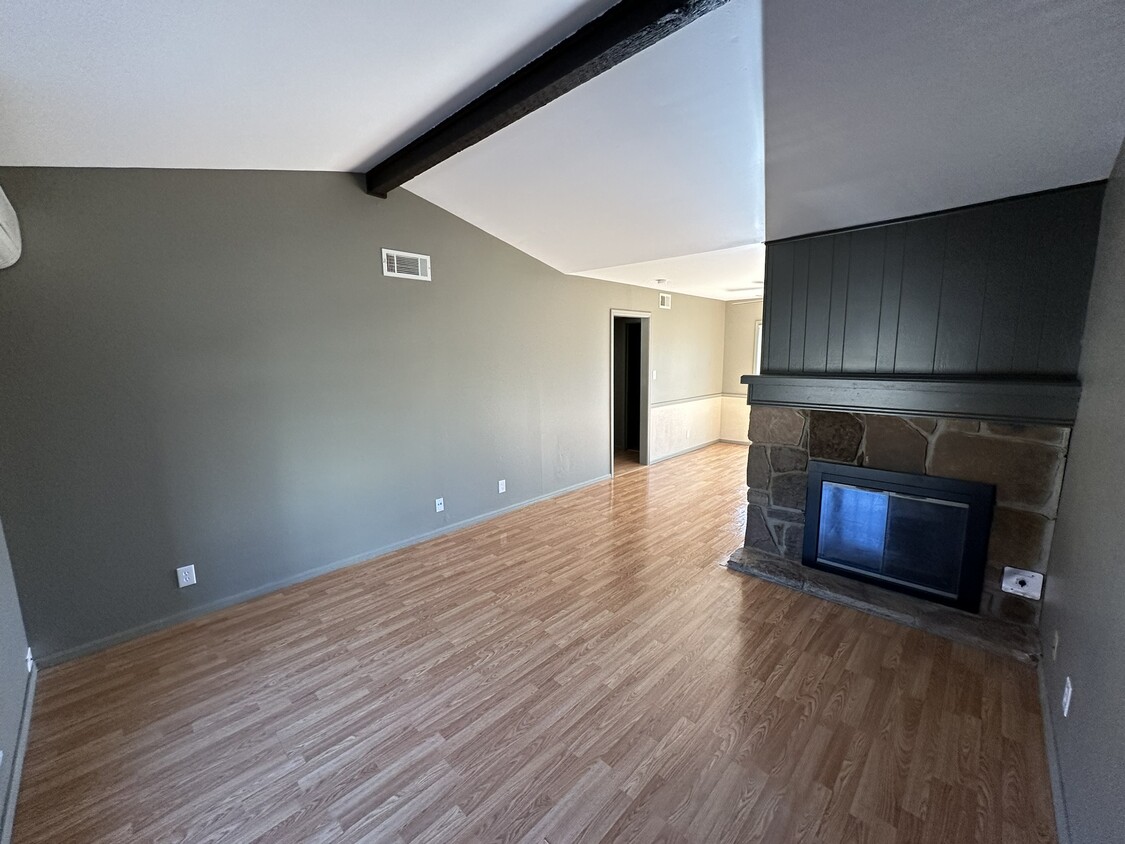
[
  {"x": 666, "y": 301},
  {"x": 406, "y": 265}
]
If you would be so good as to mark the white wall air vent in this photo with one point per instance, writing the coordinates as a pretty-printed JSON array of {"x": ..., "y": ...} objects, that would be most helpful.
[
  {"x": 406, "y": 265},
  {"x": 666, "y": 301}
]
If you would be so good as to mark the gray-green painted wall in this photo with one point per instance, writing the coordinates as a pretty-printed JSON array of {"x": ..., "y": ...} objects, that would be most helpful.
[
  {"x": 13, "y": 677},
  {"x": 209, "y": 367},
  {"x": 1085, "y": 600}
]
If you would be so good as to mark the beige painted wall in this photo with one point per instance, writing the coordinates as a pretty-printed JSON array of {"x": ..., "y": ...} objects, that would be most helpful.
[{"x": 740, "y": 333}]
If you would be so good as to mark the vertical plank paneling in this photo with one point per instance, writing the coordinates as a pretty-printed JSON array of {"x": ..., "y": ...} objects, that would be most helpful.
[
  {"x": 923, "y": 253},
  {"x": 967, "y": 257},
  {"x": 817, "y": 305},
  {"x": 1074, "y": 221},
  {"x": 1006, "y": 281},
  {"x": 767, "y": 317},
  {"x": 996, "y": 289},
  {"x": 838, "y": 303},
  {"x": 892, "y": 289},
  {"x": 865, "y": 295},
  {"x": 781, "y": 307},
  {"x": 800, "y": 299}
]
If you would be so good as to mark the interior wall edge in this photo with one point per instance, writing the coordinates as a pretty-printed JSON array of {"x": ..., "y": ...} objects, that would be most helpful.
[{"x": 9, "y": 807}]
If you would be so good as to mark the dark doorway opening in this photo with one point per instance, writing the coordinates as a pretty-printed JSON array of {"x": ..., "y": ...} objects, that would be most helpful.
[{"x": 628, "y": 393}]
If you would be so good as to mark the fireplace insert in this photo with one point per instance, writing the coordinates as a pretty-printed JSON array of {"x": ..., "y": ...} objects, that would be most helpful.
[{"x": 916, "y": 534}]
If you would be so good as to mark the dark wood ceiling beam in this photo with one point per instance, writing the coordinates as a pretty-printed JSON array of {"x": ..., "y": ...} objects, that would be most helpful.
[{"x": 621, "y": 32}]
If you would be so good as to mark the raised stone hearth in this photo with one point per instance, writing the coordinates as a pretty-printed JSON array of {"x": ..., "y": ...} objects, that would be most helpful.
[
  {"x": 1024, "y": 462},
  {"x": 992, "y": 634}
]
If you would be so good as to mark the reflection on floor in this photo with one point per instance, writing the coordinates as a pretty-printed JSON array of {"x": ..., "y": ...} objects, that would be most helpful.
[
  {"x": 626, "y": 461},
  {"x": 583, "y": 669}
]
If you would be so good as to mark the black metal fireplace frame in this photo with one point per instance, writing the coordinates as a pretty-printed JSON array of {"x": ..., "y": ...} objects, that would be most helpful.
[{"x": 979, "y": 497}]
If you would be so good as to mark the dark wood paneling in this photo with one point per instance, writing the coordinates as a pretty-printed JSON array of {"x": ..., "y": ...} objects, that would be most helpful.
[
  {"x": 923, "y": 254},
  {"x": 997, "y": 289},
  {"x": 968, "y": 245},
  {"x": 1068, "y": 222},
  {"x": 817, "y": 304},
  {"x": 799, "y": 302},
  {"x": 1006, "y": 275},
  {"x": 861, "y": 317},
  {"x": 1007, "y": 400},
  {"x": 892, "y": 291},
  {"x": 838, "y": 302},
  {"x": 781, "y": 308}
]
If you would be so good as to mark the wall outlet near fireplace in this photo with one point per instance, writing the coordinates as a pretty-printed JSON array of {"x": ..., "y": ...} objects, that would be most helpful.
[{"x": 1027, "y": 584}]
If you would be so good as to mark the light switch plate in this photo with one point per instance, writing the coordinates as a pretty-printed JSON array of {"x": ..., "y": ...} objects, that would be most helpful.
[{"x": 1026, "y": 584}]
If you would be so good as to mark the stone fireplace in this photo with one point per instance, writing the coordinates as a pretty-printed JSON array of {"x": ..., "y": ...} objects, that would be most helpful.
[{"x": 1024, "y": 462}]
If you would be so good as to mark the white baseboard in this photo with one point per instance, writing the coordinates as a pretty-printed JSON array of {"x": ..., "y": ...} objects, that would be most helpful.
[
  {"x": 681, "y": 452},
  {"x": 77, "y": 651},
  {"x": 8, "y": 810}
]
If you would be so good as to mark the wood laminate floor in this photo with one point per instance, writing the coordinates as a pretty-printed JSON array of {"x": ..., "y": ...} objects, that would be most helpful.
[{"x": 579, "y": 670}]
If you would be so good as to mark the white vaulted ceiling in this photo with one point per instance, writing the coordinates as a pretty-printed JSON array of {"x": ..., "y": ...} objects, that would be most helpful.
[
  {"x": 249, "y": 84},
  {"x": 657, "y": 159},
  {"x": 750, "y": 123}
]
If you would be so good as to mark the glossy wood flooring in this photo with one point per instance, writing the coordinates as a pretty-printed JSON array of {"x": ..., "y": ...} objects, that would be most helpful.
[{"x": 580, "y": 670}]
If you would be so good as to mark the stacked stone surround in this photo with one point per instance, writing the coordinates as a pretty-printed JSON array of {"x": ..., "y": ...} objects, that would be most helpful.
[{"x": 1025, "y": 462}]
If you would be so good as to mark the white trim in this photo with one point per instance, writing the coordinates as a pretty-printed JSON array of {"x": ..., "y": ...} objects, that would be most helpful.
[
  {"x": 687, "y": 450},
  {"x": 686, "y": 400}
]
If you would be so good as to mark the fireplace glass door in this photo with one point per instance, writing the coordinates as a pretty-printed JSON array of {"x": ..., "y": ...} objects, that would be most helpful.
[
  {"x": 903, "y": 538},
  {"x": 918, "y": 534}
]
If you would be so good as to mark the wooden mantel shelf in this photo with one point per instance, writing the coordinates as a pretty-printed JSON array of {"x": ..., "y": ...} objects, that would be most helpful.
[{"x": 1038, "y": 402}]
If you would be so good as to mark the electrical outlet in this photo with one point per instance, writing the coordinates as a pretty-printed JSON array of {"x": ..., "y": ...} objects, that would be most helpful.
[
  {"x": 502, "y": 487},
  {"x": 30, "y": 661},
  {"x": 185, "y": 576},
  {"x": 439, "y": 505},
  {"x": 1055, "y": 647},
  {"x": 654, "y": 375},
  {"x": 1068, "y": 691},
  {"x": 1027, "y": 584}
]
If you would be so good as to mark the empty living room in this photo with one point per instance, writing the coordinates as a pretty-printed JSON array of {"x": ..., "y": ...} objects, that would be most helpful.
[{"x": 570, "y": 421}]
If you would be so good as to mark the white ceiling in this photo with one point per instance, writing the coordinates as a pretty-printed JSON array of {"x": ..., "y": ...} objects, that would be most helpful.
[
  {"x": 729, "y": 274},
  {"x": 658, "y": 158},
  {"x": 250, "y": 84},
  {"x": 660, "y": 168},
  {"x": 877, "y": 109}
]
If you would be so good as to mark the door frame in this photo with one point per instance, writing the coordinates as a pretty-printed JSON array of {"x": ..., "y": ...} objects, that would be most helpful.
[{"x": 645, "y": 317}]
